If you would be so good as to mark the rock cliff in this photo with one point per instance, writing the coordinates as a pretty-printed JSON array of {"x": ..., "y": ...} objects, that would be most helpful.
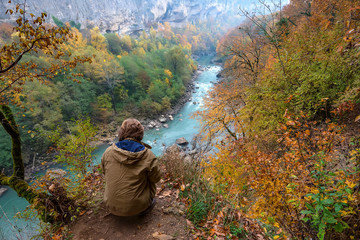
[{"x": 129, "y": 16}]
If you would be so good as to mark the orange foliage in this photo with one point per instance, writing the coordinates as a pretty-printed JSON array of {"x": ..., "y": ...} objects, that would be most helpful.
[
  {"x": 273, "y": 186},
  {"x": 277, "y": 168}
]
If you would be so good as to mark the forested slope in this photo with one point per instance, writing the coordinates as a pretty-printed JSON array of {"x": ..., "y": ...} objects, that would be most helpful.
[
  {"x": 285, "y": 119},
  {"x": 127, "y": 76}
]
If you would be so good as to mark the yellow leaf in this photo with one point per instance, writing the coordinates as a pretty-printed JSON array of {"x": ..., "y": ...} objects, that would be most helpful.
[
  {"x": 357, "y": 118},
  {"x": 276, "y": 237}
]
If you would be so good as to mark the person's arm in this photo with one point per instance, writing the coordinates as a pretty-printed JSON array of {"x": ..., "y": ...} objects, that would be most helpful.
[
  {"x": 154, "y": 173},
  {"x": 103, "y": 163}
]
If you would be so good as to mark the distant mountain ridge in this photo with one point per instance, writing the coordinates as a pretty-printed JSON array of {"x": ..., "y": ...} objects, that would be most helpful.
[{"x": 130, "y": 16}]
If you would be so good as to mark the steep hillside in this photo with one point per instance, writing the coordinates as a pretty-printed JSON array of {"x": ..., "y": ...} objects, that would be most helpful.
[{"x": 129, "y": 16}]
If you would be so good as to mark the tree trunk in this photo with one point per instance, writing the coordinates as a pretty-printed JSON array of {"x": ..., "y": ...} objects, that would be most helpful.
[
  {"x": 16, "y": 181},
  {"x": 9, "y": 124}
]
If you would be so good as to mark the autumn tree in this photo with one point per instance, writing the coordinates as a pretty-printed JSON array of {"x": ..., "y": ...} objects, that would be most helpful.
[
  {"x": 282, "y": 152},
  {"x": 113, "y": 80},
  {"x": 33, "y": 36}
]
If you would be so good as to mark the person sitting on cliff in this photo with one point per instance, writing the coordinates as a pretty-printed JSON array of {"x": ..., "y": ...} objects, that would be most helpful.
[{"x": 131, "y": 172}]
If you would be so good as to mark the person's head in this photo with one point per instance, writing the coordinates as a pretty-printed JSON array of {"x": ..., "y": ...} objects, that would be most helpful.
[{"x": 131, "y": 128}]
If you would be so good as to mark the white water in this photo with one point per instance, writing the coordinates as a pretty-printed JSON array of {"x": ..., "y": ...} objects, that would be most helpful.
[{"x": 181, "y": 126}]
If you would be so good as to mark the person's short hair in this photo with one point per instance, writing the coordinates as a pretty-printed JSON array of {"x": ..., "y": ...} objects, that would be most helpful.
[{"x": 131, "y": 128}]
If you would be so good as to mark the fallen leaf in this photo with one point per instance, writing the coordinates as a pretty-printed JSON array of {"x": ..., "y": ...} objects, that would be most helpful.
[
  {"x": 357, "y": 118},
  {"x": 161, "y": 236},
  {"x": 189, "y": 224},
  {"x": 82, "y": 213},
  {"x": 166, "y": 194},
  {"x": 177, "y": 194}
]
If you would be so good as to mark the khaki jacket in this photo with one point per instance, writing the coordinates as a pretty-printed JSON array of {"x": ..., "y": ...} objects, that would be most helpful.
[{"x": 130, "y": 180}]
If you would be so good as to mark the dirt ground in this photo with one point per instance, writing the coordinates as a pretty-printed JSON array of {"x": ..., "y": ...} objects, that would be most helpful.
[{"x": 166, "y": 221}]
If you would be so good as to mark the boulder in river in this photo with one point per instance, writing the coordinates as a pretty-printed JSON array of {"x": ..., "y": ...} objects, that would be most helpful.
[
  {"x": 162, "y": 119},
  {"x": 181, "y": 141},
  {"x": 152, "y": 124},
  {"x": 171, "y": 117},
  {"x": 166, "y": 125},
  {"x": 2, "y": 190}
]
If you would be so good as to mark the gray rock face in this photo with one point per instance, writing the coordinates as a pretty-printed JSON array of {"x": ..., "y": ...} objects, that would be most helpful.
[{"x": 128, "y": 16}]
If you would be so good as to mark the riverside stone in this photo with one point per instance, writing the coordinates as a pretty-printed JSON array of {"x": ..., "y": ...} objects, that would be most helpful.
[
  {"x": 181, "y": 141},
  {"x": 152, "y": 124},
  {"x": 162, "y": 119},
  {"x": 2, "y": 191}
]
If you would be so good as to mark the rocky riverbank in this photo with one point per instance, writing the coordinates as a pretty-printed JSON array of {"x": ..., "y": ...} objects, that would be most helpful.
[
  {"x": 166, "y": 116},
  {"x": 108, "y": 134}
]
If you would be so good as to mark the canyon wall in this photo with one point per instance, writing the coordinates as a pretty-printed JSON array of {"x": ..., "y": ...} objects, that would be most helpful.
[{"x": 129, "y": 16}]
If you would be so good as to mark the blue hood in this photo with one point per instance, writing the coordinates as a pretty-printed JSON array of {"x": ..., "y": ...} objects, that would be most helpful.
[{"x": 130, "y": 146}]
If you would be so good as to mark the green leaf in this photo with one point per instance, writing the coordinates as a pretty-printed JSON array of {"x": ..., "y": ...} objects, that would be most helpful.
[
  {"x": 328, "y": 201},
  {"x": 306, "y": 212},
  {"x": 305, "y": 219},
  {"x": 319, "y": 207},
  {"x": 338, "y": 207},
  {"x": 308, "y": 205},
  {"x": 339, "y": 227},
  {"x": 329, "y": 219}
]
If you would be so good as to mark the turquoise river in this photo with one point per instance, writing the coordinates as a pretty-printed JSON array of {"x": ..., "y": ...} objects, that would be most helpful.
[{"x": 182, "y": 126}]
